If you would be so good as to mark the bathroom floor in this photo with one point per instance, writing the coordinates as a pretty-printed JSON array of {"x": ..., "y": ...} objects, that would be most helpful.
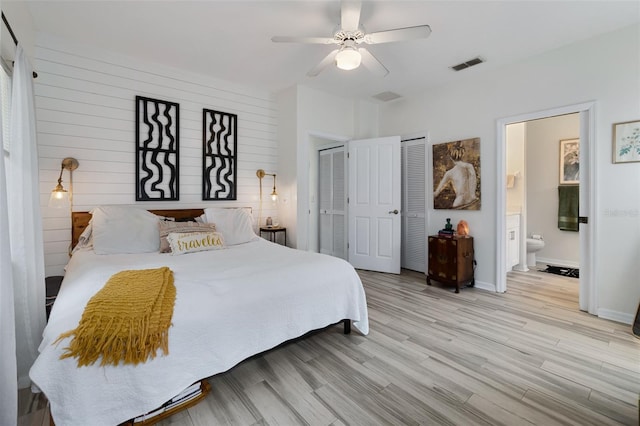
[
  {"x": 562, "y": 270},
  {"x": 543, "y": 284}
]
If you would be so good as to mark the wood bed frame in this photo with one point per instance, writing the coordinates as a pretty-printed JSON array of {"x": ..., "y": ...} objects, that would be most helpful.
[
  {"x": 205, "y": 387},
  {"x": 80, "y": 220}
]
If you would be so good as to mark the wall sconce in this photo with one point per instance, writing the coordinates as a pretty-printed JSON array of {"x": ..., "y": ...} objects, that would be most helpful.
[
  {"x": 260, "y": 173},
  {"x": 60, "y": 197}
]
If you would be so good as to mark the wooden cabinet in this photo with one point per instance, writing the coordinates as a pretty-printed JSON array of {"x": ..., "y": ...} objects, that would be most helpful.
[{"x": 451, "y": 261}]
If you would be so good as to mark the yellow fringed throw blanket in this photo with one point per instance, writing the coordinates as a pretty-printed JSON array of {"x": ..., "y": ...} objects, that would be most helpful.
[{"x": 127, "y": 320}]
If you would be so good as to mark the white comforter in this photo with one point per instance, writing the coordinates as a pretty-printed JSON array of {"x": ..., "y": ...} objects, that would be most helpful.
[{"x": 230, "y": 304}]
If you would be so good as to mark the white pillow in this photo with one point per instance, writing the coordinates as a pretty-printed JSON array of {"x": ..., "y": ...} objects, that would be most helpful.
[
  {"x": 120, "y": 229},
  {"x": 236, "y": 225},
  {"x": 85, "y": 240},
  {"x": 190, "y": 242}
]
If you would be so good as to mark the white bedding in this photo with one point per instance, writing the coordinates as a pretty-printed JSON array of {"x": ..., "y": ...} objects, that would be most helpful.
[{"x": 230, "y": 304}]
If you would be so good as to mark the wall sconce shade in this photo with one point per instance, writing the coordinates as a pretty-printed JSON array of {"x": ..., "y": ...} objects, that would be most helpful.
[
  {"x": 261, "y": 174},
  {"x": 274, "y": 194},
  {"x": 60, "y": 197}
]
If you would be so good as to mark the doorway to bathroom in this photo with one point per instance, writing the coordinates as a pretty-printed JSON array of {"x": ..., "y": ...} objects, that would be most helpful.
[
  {"x": 542, "y": 201},
  {"x": 540, "y": 222}
]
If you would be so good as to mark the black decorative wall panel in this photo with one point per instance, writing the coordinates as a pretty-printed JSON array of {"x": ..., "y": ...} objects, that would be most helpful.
[
  {"x": 157, "y": 136},
  {"x": 219, "y": 155}
]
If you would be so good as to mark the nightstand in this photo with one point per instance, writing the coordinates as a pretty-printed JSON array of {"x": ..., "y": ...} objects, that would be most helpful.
[
  {"x": 451, "y": 261},
  {"x": 52, "y": 288},
  {"x": 272, "y": 233}
]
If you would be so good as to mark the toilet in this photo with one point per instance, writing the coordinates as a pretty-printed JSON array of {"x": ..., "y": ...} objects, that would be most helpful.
[{"x": 534, "y": 245}]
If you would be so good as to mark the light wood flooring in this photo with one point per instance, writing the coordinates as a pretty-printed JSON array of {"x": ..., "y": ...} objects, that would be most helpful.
[{"x": 434, "y": 357}]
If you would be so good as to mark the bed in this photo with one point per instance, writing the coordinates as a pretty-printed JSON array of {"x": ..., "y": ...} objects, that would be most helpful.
[{"x": 231, "y": 304}]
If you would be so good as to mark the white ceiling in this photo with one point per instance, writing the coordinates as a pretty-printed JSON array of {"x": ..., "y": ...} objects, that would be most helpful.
[{"x": 231, "y": 40}]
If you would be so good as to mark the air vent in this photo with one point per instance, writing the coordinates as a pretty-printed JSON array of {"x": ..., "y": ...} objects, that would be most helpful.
[
  {"x": 386, "y": 96},
  {"x": 467, "y": 64}
]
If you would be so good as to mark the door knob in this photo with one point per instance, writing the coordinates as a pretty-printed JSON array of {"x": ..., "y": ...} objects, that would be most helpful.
[{"x": 394, "y": 211}]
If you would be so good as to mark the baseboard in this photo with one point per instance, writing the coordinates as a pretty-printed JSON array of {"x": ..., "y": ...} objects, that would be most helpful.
[
  {"x": 616, "y": 316},
  {"x": 558, "y": 262},
  {"x": 482, "y": 285}
]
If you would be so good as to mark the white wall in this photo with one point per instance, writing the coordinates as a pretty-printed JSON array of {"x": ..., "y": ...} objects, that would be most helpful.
[
  {"x": 85, "y": 100},
  {"x": 516, "y": 166},
  {"x": 604, "y": 69},
  {"x": 317, "y": 115},
  {"x": 287, "y": 102},
  {"x": 516, "y": 200},
  {"x": 543, "y": 174}
]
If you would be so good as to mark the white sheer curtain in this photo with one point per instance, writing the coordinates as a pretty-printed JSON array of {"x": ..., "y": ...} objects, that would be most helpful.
[
  {"x": 25, "y": 220},
  {"x": 8, "y": 369}
]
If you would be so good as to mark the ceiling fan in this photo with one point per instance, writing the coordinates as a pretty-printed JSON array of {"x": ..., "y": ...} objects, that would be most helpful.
[{"x": 349, "y": 36}]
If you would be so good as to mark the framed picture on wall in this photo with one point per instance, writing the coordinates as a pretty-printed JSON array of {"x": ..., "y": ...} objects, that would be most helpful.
[
  {"x": 157, "y": 156},
  {"x": 219, "y": 155},
  {"x": 569, "y": 161},
  {"x": 626, "y": 142},
  {"x": 456, "y": 175}
]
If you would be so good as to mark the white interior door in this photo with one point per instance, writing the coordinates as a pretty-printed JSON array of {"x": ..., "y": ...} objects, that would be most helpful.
[
  {"x": 414, "y": 205},
  {"x": 374, "y": 204},
  {"x": 332, "y": 202}
]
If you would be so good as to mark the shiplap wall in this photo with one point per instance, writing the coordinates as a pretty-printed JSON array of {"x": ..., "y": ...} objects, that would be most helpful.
[{"x": 85, "y": 108}]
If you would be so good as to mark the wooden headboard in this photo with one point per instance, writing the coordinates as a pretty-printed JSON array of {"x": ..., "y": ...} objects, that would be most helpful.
[{"x": 80, "y": 220}]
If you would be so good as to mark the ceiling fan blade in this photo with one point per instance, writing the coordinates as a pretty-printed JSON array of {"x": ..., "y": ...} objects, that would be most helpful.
[
  {"x": 307, "y": 40},
  {"x": 323, "y": 64},
  {"x": 350, "y": 15},
  {"x": 400, "y": 34},
  {"x": 372, "y": 63}
]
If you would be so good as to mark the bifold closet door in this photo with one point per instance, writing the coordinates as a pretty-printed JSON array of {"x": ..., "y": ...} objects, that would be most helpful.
[
  {"x": 332, "y": 203},
  {"x": 414, "y": 234}
]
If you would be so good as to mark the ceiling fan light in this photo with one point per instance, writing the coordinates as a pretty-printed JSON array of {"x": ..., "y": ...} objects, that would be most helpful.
[{"x": 348, "y": 59}]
